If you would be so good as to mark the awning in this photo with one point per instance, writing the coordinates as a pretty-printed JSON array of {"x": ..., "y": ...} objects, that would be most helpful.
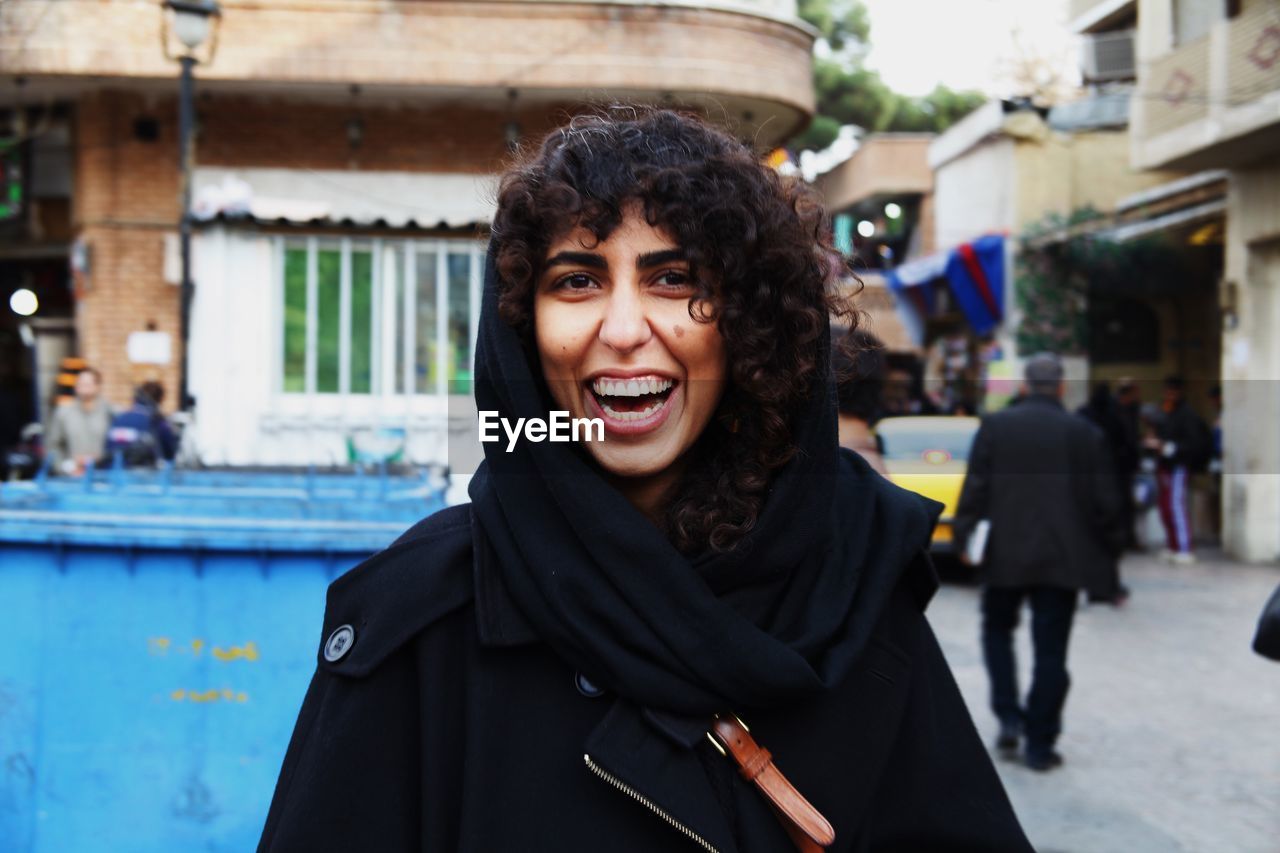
[
  {"x": 1170, "y": 207},
  {"x": 382, "y": 199},
  {"x": 974, "y": 272}
]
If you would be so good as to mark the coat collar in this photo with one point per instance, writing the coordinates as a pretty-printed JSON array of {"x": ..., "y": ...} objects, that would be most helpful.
[{"x": 1043, "y": 400}]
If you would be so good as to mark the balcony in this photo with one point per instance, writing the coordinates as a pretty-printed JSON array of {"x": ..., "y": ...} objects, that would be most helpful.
[
  {"x": 886, "y": 164},
  {"x": 747, "y": 58},
  {"x": 1213, "y": 102}
]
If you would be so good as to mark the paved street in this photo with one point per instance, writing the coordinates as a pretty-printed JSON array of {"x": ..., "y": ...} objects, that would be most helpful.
[{"x": 1172, "y": 726}]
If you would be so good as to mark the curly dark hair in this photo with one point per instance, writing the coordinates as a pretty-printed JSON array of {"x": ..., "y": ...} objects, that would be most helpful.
[{"x": 760, "y": 253}]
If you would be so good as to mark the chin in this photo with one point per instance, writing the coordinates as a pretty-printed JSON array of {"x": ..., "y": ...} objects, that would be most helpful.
[{"x": 635, "y": 463}]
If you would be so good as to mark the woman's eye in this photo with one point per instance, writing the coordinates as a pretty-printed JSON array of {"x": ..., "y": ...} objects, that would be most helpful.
[
  {"x": 674, "y": 279},
  {"x": 575, "y": 281}
]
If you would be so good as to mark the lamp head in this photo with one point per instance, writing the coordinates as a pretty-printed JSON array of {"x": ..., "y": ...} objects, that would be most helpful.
[{"x": 192, "y": 20}]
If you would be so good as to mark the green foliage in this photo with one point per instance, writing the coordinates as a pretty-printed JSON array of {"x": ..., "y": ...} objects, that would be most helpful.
[
  {"x": 849, "y": 93},
  {"x": 1054, "y": 277},
  {"x": 822, "y": 131},
  {"x": 842, "y": 23}
]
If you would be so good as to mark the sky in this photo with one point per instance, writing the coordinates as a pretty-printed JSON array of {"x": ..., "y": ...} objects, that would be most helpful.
[{"x": 967, "y": 44}]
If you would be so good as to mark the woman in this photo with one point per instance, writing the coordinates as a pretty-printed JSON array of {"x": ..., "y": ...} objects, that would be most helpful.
[{"x": 543, "y": 669}]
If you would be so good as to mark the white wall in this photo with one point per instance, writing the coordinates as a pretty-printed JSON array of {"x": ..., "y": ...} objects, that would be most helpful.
[
  {"x": 1251, "y": 368},
  {"x": 241, "y": 416},
  {"x": 976, "y": 193}
]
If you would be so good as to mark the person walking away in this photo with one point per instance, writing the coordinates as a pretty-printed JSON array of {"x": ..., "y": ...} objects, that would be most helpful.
[
  {"x": 859, "y": 368},
  {"x": 1181, "y": 445},
  {"x": 1215, "y": 462},
  {"x": 1104, "y": 412},
  {"x": 140, "y": 434},
  {"x": 1129, "y": 409},
  {"x": 78, "y": 427},
  {"x": 1041, "y": 477}
]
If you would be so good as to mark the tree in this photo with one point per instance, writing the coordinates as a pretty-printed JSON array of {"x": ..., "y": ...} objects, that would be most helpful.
[
  {"x": 850, "y": 93},
  {"x": 841, "y": 23}
]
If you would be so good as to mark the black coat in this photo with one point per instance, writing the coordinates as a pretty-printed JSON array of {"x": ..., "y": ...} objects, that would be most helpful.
[
  {"x": 1043, "y": 478},
  {"x": 449, "y": 726},
  {"x": 1185, "y": 439}
]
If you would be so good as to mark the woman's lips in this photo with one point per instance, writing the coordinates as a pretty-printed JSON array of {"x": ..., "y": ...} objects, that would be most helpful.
[{"x": 647, "y": 419}]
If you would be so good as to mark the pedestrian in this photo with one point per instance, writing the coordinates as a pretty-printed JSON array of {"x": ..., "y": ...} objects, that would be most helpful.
[
  {"x": 1129, "y": 409},
  {"x": 1041, "y": 479},
  {"x": 1104, "y": 413},
  {"x": 859, "y": 369},
  {"x": 140, "y": 436},
  {"x": 558, "y": 665},
  {"x": 78, "y": 427},
  {"x": 1266, "y": 639},
  {"x": 1182, "y": 444},
  {"x": 1214, "y": 467}
]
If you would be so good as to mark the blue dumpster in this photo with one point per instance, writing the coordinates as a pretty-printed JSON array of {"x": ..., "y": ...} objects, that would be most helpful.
[{"x": 160, "y": 631}]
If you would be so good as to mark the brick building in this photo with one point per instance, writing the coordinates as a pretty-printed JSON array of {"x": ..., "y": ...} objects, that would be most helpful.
[{"x": 343, "y": 175}]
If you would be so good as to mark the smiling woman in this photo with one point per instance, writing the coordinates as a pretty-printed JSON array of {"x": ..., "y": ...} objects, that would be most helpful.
[
  {"x": 606, "y": 319},
  {"x": 566, "y": 663}
]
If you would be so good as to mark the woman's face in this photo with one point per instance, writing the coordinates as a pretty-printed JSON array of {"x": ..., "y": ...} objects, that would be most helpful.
[{"x": 613, "y": 331}]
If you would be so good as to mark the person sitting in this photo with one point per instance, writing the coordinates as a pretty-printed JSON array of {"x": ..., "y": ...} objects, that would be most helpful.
[{"x": 140, "y": 436}]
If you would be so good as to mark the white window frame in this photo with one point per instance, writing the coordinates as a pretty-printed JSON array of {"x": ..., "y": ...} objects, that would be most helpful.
[{"x": 394, "y": 263}]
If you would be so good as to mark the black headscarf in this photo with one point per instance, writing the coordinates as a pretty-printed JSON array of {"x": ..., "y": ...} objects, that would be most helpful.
[{"x": 782, "y": 615}]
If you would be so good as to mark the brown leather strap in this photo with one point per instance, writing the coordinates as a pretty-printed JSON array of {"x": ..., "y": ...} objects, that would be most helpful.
[{"x": 810, "y": 831}]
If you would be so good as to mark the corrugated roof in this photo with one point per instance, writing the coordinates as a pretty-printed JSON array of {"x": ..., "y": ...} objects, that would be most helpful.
[{"x": 383, "y": 199}]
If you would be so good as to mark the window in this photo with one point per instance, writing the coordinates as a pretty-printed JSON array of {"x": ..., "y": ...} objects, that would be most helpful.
[{"x": 378, "y": 316}]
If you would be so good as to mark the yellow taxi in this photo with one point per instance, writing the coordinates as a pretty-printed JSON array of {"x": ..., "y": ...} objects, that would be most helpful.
[{"x": 930, "y": 455}]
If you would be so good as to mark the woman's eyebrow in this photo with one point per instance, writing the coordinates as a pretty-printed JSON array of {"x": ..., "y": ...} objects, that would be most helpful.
[
  {"x": 583, "y": 259},
  {"x": 653, "y": 259}
]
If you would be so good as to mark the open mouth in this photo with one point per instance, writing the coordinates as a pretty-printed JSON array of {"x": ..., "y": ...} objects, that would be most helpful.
[{"x": 636, "y": 401}]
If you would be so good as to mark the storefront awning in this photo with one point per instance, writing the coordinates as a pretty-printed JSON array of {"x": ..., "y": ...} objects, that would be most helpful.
[
  {"x": 1169, "y": 208},
  {"x": 374, "y": 199}
]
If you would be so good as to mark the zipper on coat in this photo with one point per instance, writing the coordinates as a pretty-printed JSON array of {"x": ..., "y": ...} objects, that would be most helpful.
[{"x": 646, "y": 802}]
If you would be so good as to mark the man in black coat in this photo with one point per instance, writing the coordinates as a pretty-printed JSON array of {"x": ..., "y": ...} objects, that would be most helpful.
[{"x": 1042, "y": 479}]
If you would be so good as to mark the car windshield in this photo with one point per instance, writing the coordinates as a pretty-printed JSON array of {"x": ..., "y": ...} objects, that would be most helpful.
[{"x": 919, "y": 444}]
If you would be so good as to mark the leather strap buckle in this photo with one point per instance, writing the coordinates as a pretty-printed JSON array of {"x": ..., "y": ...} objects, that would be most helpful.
[{"x": 809, "y": 830}]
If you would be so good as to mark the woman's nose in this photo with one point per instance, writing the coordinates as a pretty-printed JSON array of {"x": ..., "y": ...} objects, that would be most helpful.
[{"x": 625, "y": 326}]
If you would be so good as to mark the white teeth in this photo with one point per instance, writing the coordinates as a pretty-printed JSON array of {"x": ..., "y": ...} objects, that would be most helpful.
[
  {"x": 630, "y": 387},
  {"x": 646, "y": 412}
]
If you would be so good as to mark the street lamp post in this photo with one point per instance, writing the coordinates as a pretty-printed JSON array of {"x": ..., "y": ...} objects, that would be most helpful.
[{"x": 192, "y": 22}]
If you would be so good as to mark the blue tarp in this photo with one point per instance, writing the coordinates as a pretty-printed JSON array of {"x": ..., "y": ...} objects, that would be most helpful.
[{"x": 974, "y": 273}]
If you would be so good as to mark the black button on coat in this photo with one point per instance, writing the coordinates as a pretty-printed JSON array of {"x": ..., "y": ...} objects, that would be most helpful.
[{"x": 449, "y": 726}]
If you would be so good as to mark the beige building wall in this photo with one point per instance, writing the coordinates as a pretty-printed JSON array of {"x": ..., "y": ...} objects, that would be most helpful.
[
  {"x": 1251, "y": 366},
  {"x": 750, "y": 65},
  {"x": 883, "y": 164},
  {"x": 1067, "y": 172},
  {"x": 976, "y": 193}
]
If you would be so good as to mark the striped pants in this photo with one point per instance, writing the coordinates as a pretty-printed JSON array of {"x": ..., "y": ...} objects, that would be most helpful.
[{"x": 1172, "y": 486}]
